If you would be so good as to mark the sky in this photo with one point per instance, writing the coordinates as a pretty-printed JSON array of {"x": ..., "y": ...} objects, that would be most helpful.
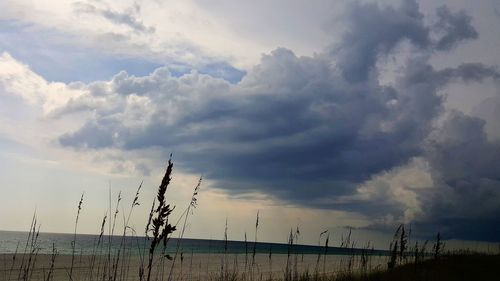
[{"x": 326, "y": 115}]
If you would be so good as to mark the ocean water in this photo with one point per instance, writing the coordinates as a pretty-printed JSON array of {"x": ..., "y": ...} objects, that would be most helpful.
[{"x": 12, "y": 241}]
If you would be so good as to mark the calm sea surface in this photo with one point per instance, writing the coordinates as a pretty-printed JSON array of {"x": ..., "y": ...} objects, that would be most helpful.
[{"x": 86, "y": 244}]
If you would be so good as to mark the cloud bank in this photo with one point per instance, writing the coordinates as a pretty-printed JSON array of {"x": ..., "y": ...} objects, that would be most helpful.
[{"x": 319, "y": 131}]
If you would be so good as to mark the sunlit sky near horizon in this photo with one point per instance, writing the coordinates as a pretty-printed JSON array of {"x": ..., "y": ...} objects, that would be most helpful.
[{"x": 318, "y": 114}]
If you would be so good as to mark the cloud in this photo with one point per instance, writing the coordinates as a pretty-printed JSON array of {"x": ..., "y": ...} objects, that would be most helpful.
[
  {"x": 471, "y": 72},
  {"x": 18, "y": 79},
  {"x": 49, "y": 55},
  {"x": 294, "y": 127},
  {"x": 374, "y": 31},
  {"x": 453, "y": 28},
  {"x": 464, "y": 165},
  {"x": 174, "y": 32},
  {"x": 127, "y": 18},
  {"x": 320, "y": 131},
  {"x": 392, "y": 196},
  {"x": 454, "y": 188},
  {"x": 489, "y": 110}
]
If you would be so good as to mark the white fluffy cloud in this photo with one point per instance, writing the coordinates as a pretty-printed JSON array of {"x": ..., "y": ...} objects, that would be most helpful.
[{"x": 17, "y": 78}]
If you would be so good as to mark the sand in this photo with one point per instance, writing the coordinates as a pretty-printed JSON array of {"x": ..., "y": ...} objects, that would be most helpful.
[{"x": 190, "y": 267}]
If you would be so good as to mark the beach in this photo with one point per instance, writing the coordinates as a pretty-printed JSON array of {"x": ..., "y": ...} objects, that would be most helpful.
[{"x": 188, "y": 267}]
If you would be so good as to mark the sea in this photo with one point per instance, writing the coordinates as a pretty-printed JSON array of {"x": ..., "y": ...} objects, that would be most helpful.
[{"x": 86, "y": 244}]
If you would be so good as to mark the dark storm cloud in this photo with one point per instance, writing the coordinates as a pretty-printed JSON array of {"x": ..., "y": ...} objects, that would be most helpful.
[
  {"x": 463, "y": 203},
  {"x": 290, "y": 122},
  {"x": 465, "y": 167},
  {"x": 310, "y": 130},
  {"x": 375, "y": 31},
  {"x": 471, "y": 72},
  {"x": 453, "y": 28}
]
